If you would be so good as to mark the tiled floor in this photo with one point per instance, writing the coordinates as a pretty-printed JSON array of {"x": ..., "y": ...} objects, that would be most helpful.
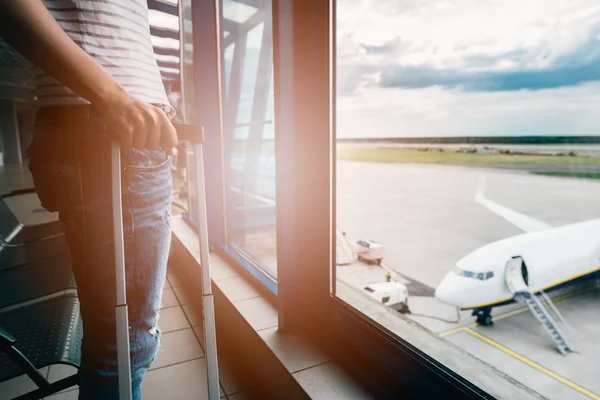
[{"x": 179, "y": 372}]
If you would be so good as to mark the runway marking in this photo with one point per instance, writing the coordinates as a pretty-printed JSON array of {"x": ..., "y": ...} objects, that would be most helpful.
[
  {"x": 518, "y": 311},
  {"x": 534, "y": 365}
]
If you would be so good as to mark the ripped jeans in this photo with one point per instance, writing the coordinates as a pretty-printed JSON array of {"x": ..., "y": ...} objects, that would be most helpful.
[{"x": 71, "y": 169}]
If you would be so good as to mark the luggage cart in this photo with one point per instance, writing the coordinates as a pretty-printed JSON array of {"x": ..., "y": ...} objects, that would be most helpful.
[{"x": 195, "y": 135}]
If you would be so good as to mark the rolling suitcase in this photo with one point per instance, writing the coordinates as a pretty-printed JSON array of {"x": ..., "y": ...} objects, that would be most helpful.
[{"x": 195, "y": 135}]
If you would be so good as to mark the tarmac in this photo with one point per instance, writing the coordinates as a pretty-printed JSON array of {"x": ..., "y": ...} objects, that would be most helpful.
[{"x": 427, "y": 220}]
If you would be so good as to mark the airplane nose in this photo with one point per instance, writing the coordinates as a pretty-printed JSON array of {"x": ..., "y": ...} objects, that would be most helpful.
[
  {"x": 450, "y": 290},
  {"x": 444, "y": 292}
]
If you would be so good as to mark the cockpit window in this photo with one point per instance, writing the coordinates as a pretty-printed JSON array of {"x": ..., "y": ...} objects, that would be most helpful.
[{"x": 482, "y": 276}]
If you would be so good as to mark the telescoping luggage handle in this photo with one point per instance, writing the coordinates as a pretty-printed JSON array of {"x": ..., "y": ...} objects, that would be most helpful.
[
  {"x": 195, "y": 135},
  {"x": 122, "y": 318}
]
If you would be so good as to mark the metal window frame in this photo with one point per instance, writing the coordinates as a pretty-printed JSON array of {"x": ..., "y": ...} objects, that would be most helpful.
[
  {"x": 217, "y": 111},
  {"x": 303, "y": 115},
  {"x": 207, "y": 108},
  {"x": 304, "y": 76},
  {"x": 305, "y": 107}
]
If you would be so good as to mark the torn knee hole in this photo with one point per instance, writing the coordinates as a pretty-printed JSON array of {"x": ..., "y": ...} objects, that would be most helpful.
[{"x": 154, "y": 331}]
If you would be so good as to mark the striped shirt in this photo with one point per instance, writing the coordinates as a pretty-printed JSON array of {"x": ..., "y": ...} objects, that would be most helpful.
[{"x": 116, "y": 33}]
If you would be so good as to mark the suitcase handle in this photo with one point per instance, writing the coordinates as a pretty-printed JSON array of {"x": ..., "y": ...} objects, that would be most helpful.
[
  {"x": 122, "y": 319},
  {"x": 195, "y": 135},
  {"x": 192, "y": 133}
]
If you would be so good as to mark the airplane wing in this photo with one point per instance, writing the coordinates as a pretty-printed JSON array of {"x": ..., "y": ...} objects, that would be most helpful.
[{"x": 521, "y": 221}]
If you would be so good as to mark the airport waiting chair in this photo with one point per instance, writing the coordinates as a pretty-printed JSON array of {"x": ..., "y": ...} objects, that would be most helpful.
[
  {"x": 39, "y": 311},
  {"x": 22, "y": 244},
  {"x": 14, "y": 232},
  {"x": 36, "y": 281},
  {"x": 19, "y": 256},
  {"x": 40, "y": 335},
  {"x": 40, "y": 323}
]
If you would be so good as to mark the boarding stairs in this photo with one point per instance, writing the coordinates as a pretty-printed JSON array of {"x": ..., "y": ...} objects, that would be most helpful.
[
  {"x": 517, "y": 281},
  {"x": 543, "y": 316}
]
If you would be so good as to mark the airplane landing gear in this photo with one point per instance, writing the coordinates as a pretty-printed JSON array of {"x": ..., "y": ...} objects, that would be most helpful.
[{"x": 484, "y": 316}]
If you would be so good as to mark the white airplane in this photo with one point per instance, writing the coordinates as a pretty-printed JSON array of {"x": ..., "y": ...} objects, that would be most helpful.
[{"x": 546, "y": 258}]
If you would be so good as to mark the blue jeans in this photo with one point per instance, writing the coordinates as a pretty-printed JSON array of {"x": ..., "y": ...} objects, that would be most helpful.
[{"x": 70, "y": 164}]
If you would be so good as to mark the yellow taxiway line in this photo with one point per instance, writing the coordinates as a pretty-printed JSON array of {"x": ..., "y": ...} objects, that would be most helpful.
[{"x": 534, "y": 365}]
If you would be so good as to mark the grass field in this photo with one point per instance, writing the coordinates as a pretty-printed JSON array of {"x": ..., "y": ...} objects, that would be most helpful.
[
  {"x": 586, "y": 175},
  {"x": 447, "y": 157}
]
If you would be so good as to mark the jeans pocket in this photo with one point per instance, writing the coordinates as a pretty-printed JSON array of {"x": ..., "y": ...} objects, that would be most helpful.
[
  {"x": 147, "y": 180},
  {"x": 57, "y": 185},
  {"x": 144, "y": 160}
]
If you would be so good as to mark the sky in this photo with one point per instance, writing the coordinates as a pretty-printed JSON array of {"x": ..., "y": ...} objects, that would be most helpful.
[{"x": 468, "y": 67}]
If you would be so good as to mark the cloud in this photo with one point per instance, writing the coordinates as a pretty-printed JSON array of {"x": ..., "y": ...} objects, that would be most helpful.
[
  {"x": 538, "y": 51},
  {"x": 435, "y": 111},
  {"x": 479, "y": 72},
  {"x": 468, "y": 68},
  {"x": 413, "y": 78}
]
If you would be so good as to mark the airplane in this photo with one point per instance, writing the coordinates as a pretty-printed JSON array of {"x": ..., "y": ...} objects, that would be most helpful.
[{"x": 541, "y": 259}]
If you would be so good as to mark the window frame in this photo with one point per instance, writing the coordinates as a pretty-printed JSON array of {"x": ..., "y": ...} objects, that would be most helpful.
[
  {"x": 305, "y": 108},
  {"x": 304, "y": 78},
  {"x": 209, "y": 111}
]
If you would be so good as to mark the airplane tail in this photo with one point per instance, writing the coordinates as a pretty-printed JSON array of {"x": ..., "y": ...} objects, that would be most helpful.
[
  {"x": 521, "y": 221},
  {"x": 479, "y": 192}
]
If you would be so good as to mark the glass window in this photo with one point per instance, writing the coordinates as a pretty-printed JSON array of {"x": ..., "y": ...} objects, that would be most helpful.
[
  {"x": 467, "y": 135},
  {"x": 228, "y": 60},
  {"x": 249, "y": 136},
  {"x": 185, "y": 158},
  {"x": 187, "y": 60}
]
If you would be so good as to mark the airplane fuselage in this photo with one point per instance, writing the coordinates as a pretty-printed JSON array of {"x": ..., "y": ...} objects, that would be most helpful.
[{"x": 553, "y": 257}]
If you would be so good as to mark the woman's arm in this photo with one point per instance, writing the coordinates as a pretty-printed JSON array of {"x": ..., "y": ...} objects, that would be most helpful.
[{"x": 30, "y": 28}]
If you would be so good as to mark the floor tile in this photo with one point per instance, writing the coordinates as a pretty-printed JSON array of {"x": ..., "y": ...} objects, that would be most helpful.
[
  {"x": 60, "y": 371},
  {"x": 183, "y": 381},
  {"x": 168, "y": 298},
  {"x": 173, "y": 280},
  {"x": 227, "y": 378},
  {"x": 70, "y": 395},
  {"x": 238, "y": 396},
  {"x": 176, "y": 347},
  {"x": 181, "y": 296},
  {"x": 192, "y": 314},
  {"x": 19, "y": 385},
  {"x": 172, "y": 319},
  {"x": 223, "y": 395}
]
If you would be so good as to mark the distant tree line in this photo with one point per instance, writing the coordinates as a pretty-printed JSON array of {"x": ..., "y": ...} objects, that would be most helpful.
[{"x": 481, "y": 140}]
